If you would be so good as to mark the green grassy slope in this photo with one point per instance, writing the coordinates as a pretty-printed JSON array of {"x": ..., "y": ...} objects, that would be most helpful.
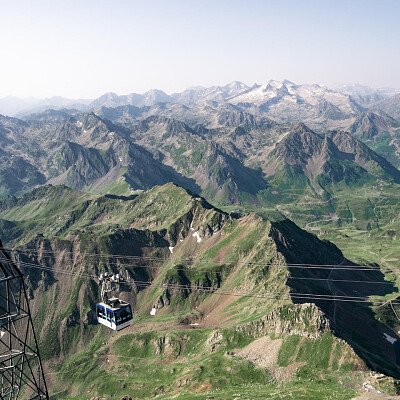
[{"x": 60, "y": 228}]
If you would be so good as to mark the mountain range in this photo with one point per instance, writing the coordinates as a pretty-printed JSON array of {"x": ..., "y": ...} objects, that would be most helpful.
[
  {"x": 286, "y": 101},
  {"x": 232, "y": 154},
  {"x": 205, "y": 201}
]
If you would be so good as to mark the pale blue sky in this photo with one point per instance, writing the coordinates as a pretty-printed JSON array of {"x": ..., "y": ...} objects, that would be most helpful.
[{"x": 88, "y": 47}]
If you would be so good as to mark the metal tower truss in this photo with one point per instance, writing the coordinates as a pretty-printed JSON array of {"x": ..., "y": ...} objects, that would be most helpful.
[{"x": 21, "y": 372}]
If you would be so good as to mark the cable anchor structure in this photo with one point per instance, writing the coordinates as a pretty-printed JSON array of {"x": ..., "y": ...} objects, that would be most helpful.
[{"x": 21, "y": 371}]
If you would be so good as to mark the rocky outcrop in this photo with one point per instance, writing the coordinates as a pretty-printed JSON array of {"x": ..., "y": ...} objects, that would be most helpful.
[{"x": 301, "y": 319}]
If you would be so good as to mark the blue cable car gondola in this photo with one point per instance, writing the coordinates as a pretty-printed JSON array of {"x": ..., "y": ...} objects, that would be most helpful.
[{"x": 113, "y": 313}]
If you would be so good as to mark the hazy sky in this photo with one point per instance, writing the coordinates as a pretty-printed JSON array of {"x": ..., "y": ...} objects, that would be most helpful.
[{"x": 88, "y": 47}]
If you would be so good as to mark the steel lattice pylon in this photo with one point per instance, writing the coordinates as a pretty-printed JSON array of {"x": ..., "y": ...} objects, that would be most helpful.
[{"x": 21, "y": 372}]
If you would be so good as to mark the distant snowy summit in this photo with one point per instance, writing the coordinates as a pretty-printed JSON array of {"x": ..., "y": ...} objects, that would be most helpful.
[{"x": 279, "y": 99}]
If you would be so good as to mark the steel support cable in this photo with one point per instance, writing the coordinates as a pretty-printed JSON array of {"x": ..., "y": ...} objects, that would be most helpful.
[
  {"x": 192, "y": 261},
  {"x": 231, "y": 292},
  {"x": 329, "y": 267},
  {"x": 272, "y": 295},
  {"x": 268, "y": 295},
  {"x": 27, "y": 265},
  {"x": 62, "y": 271},
  {"x": 180, "y": 286}
]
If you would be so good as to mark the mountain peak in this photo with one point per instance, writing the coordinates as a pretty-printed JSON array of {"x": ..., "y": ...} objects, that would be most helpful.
[
  {"x": 236, "y": 85},
  {"x": 372, "y": 123},
  {"x": 108, "y": 96},
  {"x": 286, "y": 82},
  {"x": 155, "y": 91},
  {"x": 301, "y": 127},
  {"x": 300, "y": 145},
  {"x": 274, "y": 83}
]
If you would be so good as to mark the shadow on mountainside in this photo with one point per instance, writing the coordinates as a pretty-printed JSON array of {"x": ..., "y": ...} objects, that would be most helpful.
[{"x": 348, "y": 286}]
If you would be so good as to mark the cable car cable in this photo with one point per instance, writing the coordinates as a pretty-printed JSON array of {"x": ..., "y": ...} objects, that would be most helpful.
[
  {"x": 22, "y": 263},
  {"x": 192, "y": 261},
  {"x": 354, "y": 268},
  {"x": 230, "y": 292}
]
